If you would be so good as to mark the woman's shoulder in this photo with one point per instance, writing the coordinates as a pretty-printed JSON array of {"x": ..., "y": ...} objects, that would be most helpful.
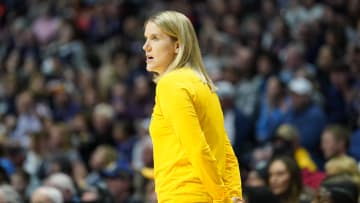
[
  {"x": 179, "y": 79},
  {"x": 178, "y": 76}
]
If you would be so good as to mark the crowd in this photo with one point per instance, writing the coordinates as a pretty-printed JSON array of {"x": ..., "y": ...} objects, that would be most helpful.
[{"x": 76, "y": 100}]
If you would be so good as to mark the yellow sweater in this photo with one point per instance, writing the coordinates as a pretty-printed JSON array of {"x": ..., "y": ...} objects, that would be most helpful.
[{"x": 193, "y": 158}]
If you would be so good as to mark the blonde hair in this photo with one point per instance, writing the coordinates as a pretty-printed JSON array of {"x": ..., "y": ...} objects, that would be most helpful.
[
  {"x": 110, "y": 154},
  {"x": 179, "y": 28},
  {"x": 343, "y": 165}
]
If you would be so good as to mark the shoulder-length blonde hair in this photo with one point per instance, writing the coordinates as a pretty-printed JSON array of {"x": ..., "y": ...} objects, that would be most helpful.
[{"x": 178, "y": 27}]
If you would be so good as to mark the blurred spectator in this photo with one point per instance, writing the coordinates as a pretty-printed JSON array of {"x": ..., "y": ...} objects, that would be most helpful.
[
  {"x": 237, "y": 125},
  {"x": 343, "y": 165},
  {"x": 335, "y": 141},
  {"x": 142, "y": 155},
  {"x": 47, "y": 194},
  {"x": 102, "y": 124},
  {"x": 267, "y": 65},
  {"x": 20, "y": 181},
  {"x": 114, "y": 71},
  {"x": 272, "y": 110},
  {"x": 306, "y": 116},
  {"x": 119, "y": 101},
  {"x": 246, "y": 96},
  {"x": 119, "y": 182},
  {"x": 103, "y": 157},
  {"x": 304, "y": 11},
  {"x": 294, "y": 59},
  {"x": 9, "y": 195},
  {"x": 338, "y": 94},
  {"x": 257, "y": 177},
  {"x": 353, "y": 60},
  {"x": 46, "y": 25},
  {"x": 27, "y": 118},
  {"x": 96, "y": 195},
  {"x": 63, "y": 105},
  {"x": 36, "y": 154},
  {"x": 287, "y": 142},
  {"x": 277, "y": 37},
  {"x": 63, "y": 183},
  {"x": 337, "y": 189},
  {"x": 60, "y": 142},
  {"x": 285, "y": 180},
  {"x": 140, "y": 101},
  {"x": 150, "y": 194},
  {"x": 69, "y": 49},
  {"x": 125, "y": 140},
  {"x": 81, "y": 137}
]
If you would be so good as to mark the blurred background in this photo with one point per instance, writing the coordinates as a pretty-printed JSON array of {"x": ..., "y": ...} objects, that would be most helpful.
[{"x": 76, "y": 100}]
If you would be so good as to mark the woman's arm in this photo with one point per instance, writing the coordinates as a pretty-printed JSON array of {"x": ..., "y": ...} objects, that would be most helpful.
[
  {"x": 231, "y": 176},
  {"x": 177, "y": 105}
]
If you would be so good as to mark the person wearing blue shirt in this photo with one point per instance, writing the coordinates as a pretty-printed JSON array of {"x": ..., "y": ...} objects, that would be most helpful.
[
  {"x": 272, "y": 110},
  {"x": 305, "y": 115}
]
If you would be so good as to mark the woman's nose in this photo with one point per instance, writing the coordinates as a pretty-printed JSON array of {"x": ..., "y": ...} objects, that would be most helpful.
[{"x": 146, "y": 46}]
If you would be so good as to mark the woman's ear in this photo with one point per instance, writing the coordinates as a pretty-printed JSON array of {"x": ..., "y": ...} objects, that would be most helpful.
[{"x": 177, "y": 46}]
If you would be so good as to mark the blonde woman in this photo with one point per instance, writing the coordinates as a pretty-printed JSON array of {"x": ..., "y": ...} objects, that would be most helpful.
[
  {"x": 343, "y": 164},
  {"x": 193, "y": 159}
]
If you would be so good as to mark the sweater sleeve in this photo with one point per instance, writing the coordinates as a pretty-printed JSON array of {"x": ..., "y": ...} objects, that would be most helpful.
[
  {"x": 177, "y": 106},
  {"x": 231, "y": 176}
]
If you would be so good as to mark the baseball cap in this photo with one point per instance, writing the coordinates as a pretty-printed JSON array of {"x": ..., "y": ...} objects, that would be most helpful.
[
  {"x": 300, "y": 86},
  {"x": 287, "y": 132}
]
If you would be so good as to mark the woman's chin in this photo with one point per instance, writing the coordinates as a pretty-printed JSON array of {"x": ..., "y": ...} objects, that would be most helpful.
[{"x": 149, "y": 69}]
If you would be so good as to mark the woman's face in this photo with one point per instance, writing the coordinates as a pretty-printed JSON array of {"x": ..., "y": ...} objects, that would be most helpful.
[
  {"x": 160, "y": 49},
  {"x": 273, "y": 88},
  {"x": 279, "y": 177}
]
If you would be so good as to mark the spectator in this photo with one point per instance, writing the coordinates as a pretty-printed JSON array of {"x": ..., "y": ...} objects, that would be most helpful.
[
  {"x": 285, "y": 180},
  {"x": 47, "y": 195},
  {"x": 20, "y": 182},
  {"x": 9, "y": 195},
  {"x": 337, "y": 189},
  {"x": 125, "y": 140},
  {"x": 118, "y": 180},
  {"x": 237, "y": 125},
  {"x": 338, "y": 103},
  {"x": 306, "y": 116},
  {"x": 257, "y": 177},
  {"x": 27, "y": 121},
  {"x": 246, "y": 96},
  {"x": 64, "y": 184},
  {"x": 334, "y": 141},
  {"x": 287, "y": 142},
  {"x": 343, "y": 165},
  {"x": 103, "y": 157},
  {"x": 142, "y": 155},
  {"x": 272, "y": 110},
  {"x": 102, "y": 124}
]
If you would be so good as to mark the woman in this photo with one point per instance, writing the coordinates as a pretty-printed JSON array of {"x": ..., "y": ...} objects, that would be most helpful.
[
  {"x": 193, "y": 159},
  {"x": 272, "y": 110},
  {"x": 285, "y": 180},
  {"x": 343, "y": 164}
]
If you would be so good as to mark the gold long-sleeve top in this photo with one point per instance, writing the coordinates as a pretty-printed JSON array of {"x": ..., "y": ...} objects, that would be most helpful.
[{"x": 193, "y": 158}]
